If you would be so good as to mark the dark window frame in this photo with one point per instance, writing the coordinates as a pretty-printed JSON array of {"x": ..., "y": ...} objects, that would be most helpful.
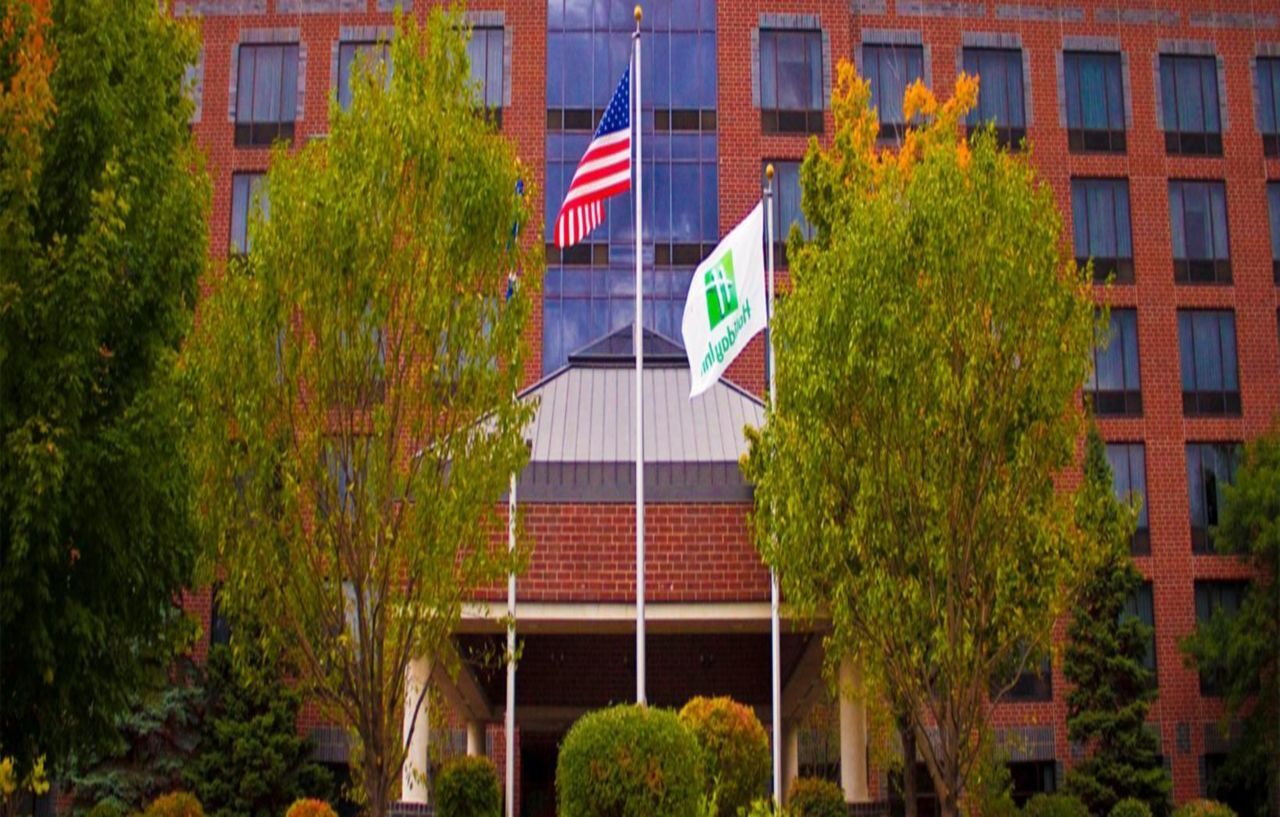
[
  {"x": 1178, "y": 142},
  {"x": 1093, "y": 140},
  {"x": 1212, "y": 270},
  {"x": 1204, "y": 402},
  {"x": 1140, "y": 542},
  {"x": 248, "y": 131},
  {"x": 891, "y": 131},
  {"x": 1273, "y": 214},
  {"x": 234, "y": 250},
  {"x": 492, "y": 112},
  {"x": 1268, "y": 102},
  {"x": 773, "y": 117},
  {"x": 1122, "y": 402},
  {"x": 1202, "y": 534},
  {"x": 783, "y": 167},
  {"x": 1119, "y": 266},
  {"x": 1008, "y": 135}
]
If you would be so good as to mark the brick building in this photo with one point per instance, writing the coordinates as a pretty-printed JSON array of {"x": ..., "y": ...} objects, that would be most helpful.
[{"x": 1157, "y": 124}]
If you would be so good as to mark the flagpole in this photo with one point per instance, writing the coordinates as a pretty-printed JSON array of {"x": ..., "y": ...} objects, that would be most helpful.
[
  {"x": 637, "y": 127},
  {"x": 509, "y": 720},
  {"x": 775, "y": 623}
]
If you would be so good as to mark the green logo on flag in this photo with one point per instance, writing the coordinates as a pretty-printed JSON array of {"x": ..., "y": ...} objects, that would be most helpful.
[{"x": 722, "y": 291}]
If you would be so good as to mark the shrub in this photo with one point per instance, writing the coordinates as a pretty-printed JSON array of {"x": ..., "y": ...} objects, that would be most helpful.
[
  {"x": 1130, "y": 807},
  {"x": 629, "y": 761},
  {"x": 105, "y": 808},
  {"x": 1054, "y": 805},
  {"x": 468, "y": 787},
  {"x": 310, "y": 807},
  {"x": 813, "y": 797},
  {"x": 735, "y": 751},
  {"x": 1204, "y": 808},
  {"x": 763, "y": 807},
  {"x": 175, "y": 804}
]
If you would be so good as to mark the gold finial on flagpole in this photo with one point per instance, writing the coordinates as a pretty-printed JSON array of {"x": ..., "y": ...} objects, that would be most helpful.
[
  {"x": 639, "y": 13},
  {"x": 768, "y": 171}
]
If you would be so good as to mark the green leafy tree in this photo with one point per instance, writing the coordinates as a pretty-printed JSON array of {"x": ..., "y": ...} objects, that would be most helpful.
[
  {"x": 1243, "y": 650},
  {"x": 1112, "y": 689},
  {"x": 156, "y": 740},
  {"x": 252, "y": 761},
  {"x": 928, "y": 360},
  {"x": 102, "y": 212},
  {"x": 355, "y": 378}
]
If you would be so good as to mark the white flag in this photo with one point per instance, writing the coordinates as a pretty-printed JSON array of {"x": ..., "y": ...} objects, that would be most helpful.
[{"x": 727, "y": 302}]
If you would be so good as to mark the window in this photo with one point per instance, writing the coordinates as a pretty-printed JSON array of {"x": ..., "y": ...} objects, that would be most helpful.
[
  {"x": 1100, "y": 218},
  {"x": 786, "y": 208},
  {"x": 791, "y": 68},
  {"x": 1033, "y": 681},
  {"x": 1273, "y": 199},
  {"x": 1031, "y": 777},
  {"x": 485, "y": 51},
  {"x": 1198, "y": 220},
  {"x": 1129, "y": 478},
  {"x": 266, "y": 93},
  {"x": 1213, "y": 596},
  {"x": 1209, "y": 467},
  {"x": 1114, "y": 385},
  {"x": 1095, "y": 102},
  {"x": 367, "y": 55},
  {"x": 248, "y": 190},
  {"x": 1141, "y": 606},
  {"x": 1189, "y": 103},
  {"x": 1000, "y": 92},
  {"x": 219, "y": 627},
  {"x": 1207, "y": 352},
  {"x": 589, "y": 290},
  {"x": 890, "y": 69},
  {"x": 1268, "y": 84}
]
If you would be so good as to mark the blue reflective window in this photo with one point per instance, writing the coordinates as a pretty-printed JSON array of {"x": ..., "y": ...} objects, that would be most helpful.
[
  {"x": 1129, "y": 478},
  {"x": 891, "y": 69},
  {"x": 369, "y": 55},
  {"x": 791, "y": 74},
  {"x": 1198, "y": 221},
  {"x": 589, "y": 290},
  {"x": 1095, "y": 101},
  {"x": 1100, "y": 218},
  {"x": 1207, "y": 356},
  {"x": 247, "y": 191},
  {"x": 1268, "y": 84},
  {"x": 1189, "y": 104},
  {"x": 266, "y": 93},
  {"x": 1001, "y": 95},
  {"x": 1273, "y": 200},
  {"x": 485, "y": 53},
  {"x": 786, "y": 208},
  {"x": 1210, "y": 466},
  {"x": 1114, "y": 386}
]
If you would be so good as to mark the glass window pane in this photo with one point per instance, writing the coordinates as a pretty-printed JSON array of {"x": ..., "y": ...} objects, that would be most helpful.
[
  {"x": 244, "y": 83},
  {"x": 1071, "y": 81},
  {"x": 266, "y": 85},
  {"x": 1273, "y": 198},
  {"x": 793, "y": 72},
  {"x": 1190, "y": 101},
  {"x": 1208, "y": 352},
  {"x": 1209, "y": 92},
  {"x": 1218, "y": 225},
  {"x": 1227, "y": 336},
  {"x": 1186, "y": 351},
  {"x": 768, "y": 70}
]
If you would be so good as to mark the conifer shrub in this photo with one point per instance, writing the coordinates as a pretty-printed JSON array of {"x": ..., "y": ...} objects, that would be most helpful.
[
  {"x": 629, "y": 761},
  {"x": 1204, "y": 808},
  {"x": 310, "y": 807},
  {"x": 175, "y": 804},
  {"x": 813, "y": 797},
  {"x": 468, "y": 787},
  {"x": 1054, "y": 805},
  {"x": 735, "y": 751},
  {"x": 1130, "y": 807}
]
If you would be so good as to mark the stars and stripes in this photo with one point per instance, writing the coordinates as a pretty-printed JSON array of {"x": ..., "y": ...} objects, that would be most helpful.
[{"x": 605, "y": 170}]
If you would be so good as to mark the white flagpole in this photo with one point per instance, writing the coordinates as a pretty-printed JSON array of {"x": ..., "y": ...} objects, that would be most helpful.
[
  {"x": 637, "y": 128},
  {"x": 509, "y": 721},
  {"x": 775, "y": 623}
]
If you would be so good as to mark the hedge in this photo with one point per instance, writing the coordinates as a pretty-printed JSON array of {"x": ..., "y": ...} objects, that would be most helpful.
[
  {"x": 310, "y": 807},
  {"x": 812, "y": 797},
  {"x": 175, "y": 804},
  {"x": 468, "y": 787},
  {"x": 1204, "y": 808},
  {"x": 735, "y": 751},
  {"x": 1054, "y": 805},
  {"x": 1129, "y": 807}
]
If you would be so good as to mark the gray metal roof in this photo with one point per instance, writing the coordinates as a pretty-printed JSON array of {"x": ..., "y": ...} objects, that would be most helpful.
[{"x": 586, "y": 418}]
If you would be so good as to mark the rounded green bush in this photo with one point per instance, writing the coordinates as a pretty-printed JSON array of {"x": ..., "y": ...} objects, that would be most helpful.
[
  {"x": 735, "y": 751},
  {"x": 1204, "y": 808},
  {"x": 629, "y": 761},
  {"x": 468, "y": 787},
  {"x": 813, "y": 797},
  {"x": 1129, "y": 807},
  {"x": 1054, "y": 805},
  {"x": 110, "y": 807},
  {"x": 310, "y": 807},
  {"x": 175, "y": 804}
]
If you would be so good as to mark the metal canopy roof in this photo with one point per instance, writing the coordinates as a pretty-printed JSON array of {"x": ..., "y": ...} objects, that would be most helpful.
[{"x": 582, "y": 439}]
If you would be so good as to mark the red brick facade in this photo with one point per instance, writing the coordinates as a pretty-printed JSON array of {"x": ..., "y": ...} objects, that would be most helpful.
[{"x": 585, "y": 552}]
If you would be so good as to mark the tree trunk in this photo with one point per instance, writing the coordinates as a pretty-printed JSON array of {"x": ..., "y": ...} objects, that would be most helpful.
[{"x": 909, "y": 795}]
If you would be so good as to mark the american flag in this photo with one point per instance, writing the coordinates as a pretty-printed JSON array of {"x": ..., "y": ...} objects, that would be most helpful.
[{"x": 605, "y": 170}]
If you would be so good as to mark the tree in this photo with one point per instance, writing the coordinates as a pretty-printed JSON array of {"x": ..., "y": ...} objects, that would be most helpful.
[
  {"x": 928, "y": 360},
  {"x": 356, "y": 379},
  {"x": 102, "y": 212},
  {"x": 1113, "y": 691},
  {"x": 1243, "y": 650},
  {"x": 252, "y": 761},
  {"x": 156, "y": 740}
]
